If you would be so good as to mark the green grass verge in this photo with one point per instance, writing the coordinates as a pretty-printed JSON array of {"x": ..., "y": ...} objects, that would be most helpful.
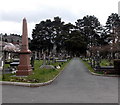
[
  {"x": 89, "y": 67},
  {"x": 1, "y": 77},
  {"x": 39, "y": 75},
  {"x": 6, "y": 66}
]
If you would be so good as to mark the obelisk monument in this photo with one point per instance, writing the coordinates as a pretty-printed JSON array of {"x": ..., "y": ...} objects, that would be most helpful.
[{"x": 24, "y": 68}]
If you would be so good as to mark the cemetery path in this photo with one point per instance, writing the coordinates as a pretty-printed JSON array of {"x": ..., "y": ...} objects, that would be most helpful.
[{"x": 74, "y": 85}]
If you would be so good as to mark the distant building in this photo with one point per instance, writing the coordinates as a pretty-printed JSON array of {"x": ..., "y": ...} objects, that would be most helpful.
[
  {"x": 13, "y": 38},
  {"x": 11, "y": 44}
]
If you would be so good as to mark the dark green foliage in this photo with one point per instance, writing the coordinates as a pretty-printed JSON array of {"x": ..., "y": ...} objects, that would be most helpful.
[
  {"x": 75, "y": 39},
  {"x": 113, "y": 23},
  {"x": 89, "y": 27},
  {"x": 117, "y": 64},
  {"x": 65, "y": 36},
  {"x": 75, "y": 43}
]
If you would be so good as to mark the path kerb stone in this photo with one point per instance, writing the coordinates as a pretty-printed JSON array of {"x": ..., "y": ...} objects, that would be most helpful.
[
  {"x": 27, "y": 84},
  {"x": 93, "y": 73},
  {"x": 32, "y": 84},
  {"x": 103, "y": 74}
]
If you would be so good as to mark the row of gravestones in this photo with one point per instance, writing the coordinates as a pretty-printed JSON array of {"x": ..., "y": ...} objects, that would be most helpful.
[
  {"x": 115, "y": 69},
  {"x": 47, "y": 60},
  {"x": 46, "y": 64}
]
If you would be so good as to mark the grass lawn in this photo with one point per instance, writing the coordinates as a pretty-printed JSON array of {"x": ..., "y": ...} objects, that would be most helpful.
[
  {"x": 105, "y": 62},
  {"x": 39, "y": 75}
]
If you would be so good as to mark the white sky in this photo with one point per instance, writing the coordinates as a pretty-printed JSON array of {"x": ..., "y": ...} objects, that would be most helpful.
[{"x": 13, "y": 11}]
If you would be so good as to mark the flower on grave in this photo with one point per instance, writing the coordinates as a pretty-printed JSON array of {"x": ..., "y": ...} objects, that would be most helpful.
[
  {"x": 13, "y": 72},
  {"x": 12, "y": 80},
  {"x": 58, "y": 67}
]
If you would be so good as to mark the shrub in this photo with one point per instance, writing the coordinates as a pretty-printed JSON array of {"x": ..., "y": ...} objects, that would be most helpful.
[{"x": 117, "y": 64}]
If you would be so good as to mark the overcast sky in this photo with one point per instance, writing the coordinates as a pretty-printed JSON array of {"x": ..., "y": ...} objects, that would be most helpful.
[{"x": 13, "y": 11}]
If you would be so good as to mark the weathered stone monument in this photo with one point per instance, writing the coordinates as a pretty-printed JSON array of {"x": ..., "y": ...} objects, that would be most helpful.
[
  {"x": 45, "y": 65},
  {"x": 24, "y": 68}
]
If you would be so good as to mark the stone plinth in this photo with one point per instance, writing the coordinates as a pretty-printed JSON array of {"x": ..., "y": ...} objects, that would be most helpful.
[
  {"x": 24, "y": 68},
  {"x": 47, "y": 67}
]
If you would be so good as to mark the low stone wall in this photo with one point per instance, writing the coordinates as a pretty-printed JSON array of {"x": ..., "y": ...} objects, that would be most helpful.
[
  {"x": 117, "y": 65},
  {"x": 108, "y": 70}
]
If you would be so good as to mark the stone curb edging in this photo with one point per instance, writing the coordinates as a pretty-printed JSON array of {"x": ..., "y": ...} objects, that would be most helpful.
[
  {"x": 26, "y": 84},
  {"x": 103, "y": 74},
  {"x": 93, "y": 73},
  {"x": 31, "y": 84}
]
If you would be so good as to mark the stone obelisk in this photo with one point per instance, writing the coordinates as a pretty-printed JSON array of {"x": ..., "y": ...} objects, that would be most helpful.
[{"x": 24, "y": 68}]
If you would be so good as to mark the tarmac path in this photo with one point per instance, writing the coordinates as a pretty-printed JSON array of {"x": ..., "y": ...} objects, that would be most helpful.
[{"x": 74, "y": 85}]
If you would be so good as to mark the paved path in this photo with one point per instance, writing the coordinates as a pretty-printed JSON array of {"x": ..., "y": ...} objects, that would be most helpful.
[{"x": 74, "y": 85}]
